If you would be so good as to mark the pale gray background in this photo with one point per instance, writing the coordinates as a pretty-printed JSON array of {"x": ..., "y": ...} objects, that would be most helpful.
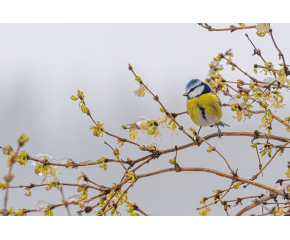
[{"x": 42, "y": 65}]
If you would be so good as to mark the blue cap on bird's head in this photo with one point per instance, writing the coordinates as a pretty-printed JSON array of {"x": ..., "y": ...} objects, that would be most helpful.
[
  {"x": 192, "y": 83},
  {"x": 195, "y": 87}
]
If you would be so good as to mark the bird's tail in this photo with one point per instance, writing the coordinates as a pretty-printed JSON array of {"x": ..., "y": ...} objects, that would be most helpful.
[{"x": 222, "y": 124}]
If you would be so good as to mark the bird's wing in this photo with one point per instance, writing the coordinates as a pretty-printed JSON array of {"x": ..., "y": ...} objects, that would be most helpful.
[{"x": 213, "y": 92}]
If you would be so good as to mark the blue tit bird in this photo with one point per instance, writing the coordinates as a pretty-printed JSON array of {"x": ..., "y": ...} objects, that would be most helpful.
[{"x": 203, "y": 105}]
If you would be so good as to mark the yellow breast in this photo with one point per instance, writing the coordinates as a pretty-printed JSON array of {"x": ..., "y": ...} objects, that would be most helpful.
[{"x": 205, "y": 110}]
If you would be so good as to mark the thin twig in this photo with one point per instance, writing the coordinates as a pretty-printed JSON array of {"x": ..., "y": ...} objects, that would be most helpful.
[
  {"x": 232, "y": 28},
  {"x": 280, "y": 53},
  {"x": 255, "y": 204},
  {"x": 257, "y": 51},
  {"x": 64, "y": 201},
  {"x": 260, "y": 164},
  {"x": 139, "y": 210},
  {"x": 9, "y": 178},
  {"x": 277, "y": 151}
]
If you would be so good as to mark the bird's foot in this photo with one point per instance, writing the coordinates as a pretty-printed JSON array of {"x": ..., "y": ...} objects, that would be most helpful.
[
  {"x": 219, "y": 133},
  {"x": 222, "y": 124}
]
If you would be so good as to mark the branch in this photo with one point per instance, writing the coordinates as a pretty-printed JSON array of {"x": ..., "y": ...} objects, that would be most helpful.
[
  {"x": 139, "y": 210},
  {"x": 255, "y": 135},
  {"x": 280, "y": 53},
  {"x": 255, "y": 204},
  {"x": 60, "y": 205},
  {"x": 280, "y": 120},
  {"x": 156, "y": 98},
  {"x": 236, "y": 178},
  {"x": 235, "y": 65},
  {"x": 256, "y": 51},
  {"x": 270, "y": 69},
  {"x": 65, "y": 184},
  {"x": 231, "y": 28},
  {"x": 112, "y": 135},
  {"x": 64, "y": 201},
  {"x": 9, "y": 177},
  {"x": 277, "y": 151},
  {"x": 74, "y": 164},
  {"x": 260, "y": 164}
]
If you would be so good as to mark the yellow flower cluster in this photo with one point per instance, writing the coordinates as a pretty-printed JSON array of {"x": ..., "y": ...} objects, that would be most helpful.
[
  {"x": 98, "y": 129},
  {"x": 282, "y": 77},
  {"x": 262, "y": 29},
  {"x": 241, "y": 114},
  {"x": 168, "y": 123},
  {"x": 279, "y": 212},
  {"x": 133, "y": 134},
  {"x": 42, "y": 169},
  {"x": 287, "y": 173},
  {"x": 204, "y": 211},
  {"x": 141, "y": 91},
  {"x": 145, "y": 125},
  {"x": 276, "y": 104},
  {"x": 266, "y": 121}
]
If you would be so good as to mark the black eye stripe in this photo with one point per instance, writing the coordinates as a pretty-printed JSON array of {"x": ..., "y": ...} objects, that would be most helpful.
[{"x": 194, "y": 88}]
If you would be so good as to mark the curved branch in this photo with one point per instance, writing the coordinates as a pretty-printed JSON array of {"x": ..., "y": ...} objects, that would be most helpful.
[
  {"x": 255, "y": 204},
  {"x": 255, "y": 135},
  {"x": 225, "y": 175}
]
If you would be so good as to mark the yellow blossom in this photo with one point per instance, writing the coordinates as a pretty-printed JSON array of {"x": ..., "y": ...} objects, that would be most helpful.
[
  {"x": 98, "y": 129},
  {"x": 265, "y": 70},
  {"x": 144, "y": 126},
  {"x": 279, "y": 212},
  {"x": 243, "y": 26},
  {"x": 171, "y": 125},
  {"x": 20, "y": 212},
  {"x": 22, "y": 139},
  {"x": 266, "y": 97},
  {"x": 287, "y": 173},
  {"x": 162, "y": 120},
  {"x": 153, "y": 130},
  {"x": 42, "y": 169},
  {"x": 287, "y": 129},
  {"x": 239, "y": 116},
  {"x": 133, "y": 134},
  {"x": 262, "y": 29},
  {"x": 266, "y": 120},
  {"x": 282, "y": 77},
  {"x": 81, "y": 204},
  {"x": 141, "y": 91},
  {"x": 264, "y": 123},
  {"x": 204, "y": 211},
  {"x": 275, "y": 104}
]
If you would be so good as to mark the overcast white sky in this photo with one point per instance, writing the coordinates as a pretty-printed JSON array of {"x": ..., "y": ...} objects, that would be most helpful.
[{"x": 42, "y": 65}]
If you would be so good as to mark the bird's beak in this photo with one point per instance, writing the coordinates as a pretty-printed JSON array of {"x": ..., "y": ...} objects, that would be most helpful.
[{"x": 185, "y": 94}]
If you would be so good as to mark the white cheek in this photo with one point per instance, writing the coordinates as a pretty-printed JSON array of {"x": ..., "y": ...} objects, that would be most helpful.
[{"x": 196, "y": 92}]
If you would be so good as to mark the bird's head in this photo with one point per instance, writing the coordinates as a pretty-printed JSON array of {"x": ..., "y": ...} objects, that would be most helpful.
[{"x": 195, "y": 88}]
